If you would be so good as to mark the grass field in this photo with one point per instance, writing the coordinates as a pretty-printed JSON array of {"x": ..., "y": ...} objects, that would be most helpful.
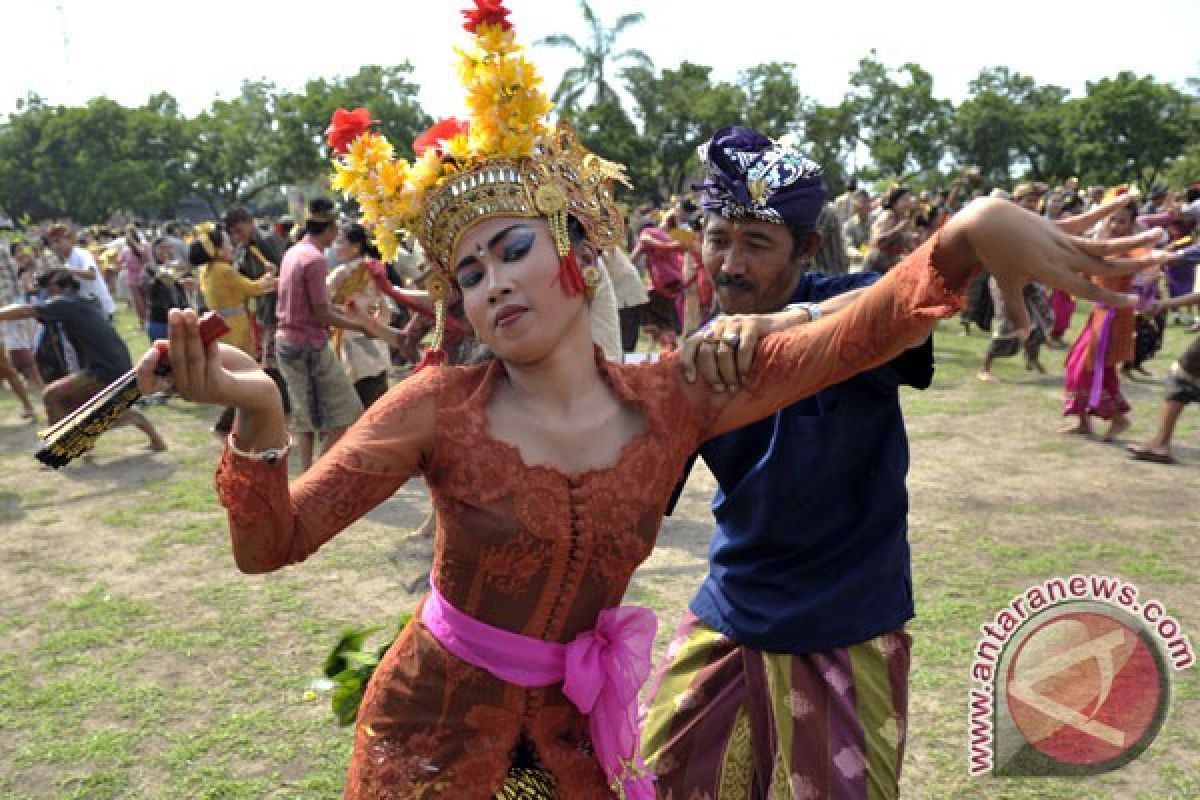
[{"x": 140, "y": 664}]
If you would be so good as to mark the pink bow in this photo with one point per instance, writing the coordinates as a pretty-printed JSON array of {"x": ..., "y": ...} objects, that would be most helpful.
[
  {"x": 601, "y": 672},
  {"x": 604, "y": 669}
]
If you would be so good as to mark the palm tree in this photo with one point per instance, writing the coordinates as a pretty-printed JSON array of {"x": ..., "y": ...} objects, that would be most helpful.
[{"x": 597, "y": 59}]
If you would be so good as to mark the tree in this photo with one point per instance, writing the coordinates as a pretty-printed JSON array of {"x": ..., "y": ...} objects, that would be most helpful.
[
  {"x": 900, "y": 121},
  {"x": 1045, "y": 150},
  {"x": 231, "y": 145},
  {"x": 831, "y": 135},
  {"x": 607, "y": 130},
  {"x": 1131, "y": 128},
  {"x": 598, "y": 57},
  {"x": 86, "y": 162},
  {"x": 679, "y": 109},
  {"x": 301, "y": 155},
  {"x": 774, "y": 103},
  {"x": 1185, "y": 170},
  {"x": 991, "y": 127}
]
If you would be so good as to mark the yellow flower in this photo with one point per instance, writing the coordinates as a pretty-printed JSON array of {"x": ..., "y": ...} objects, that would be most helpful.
[
  {"x": 343, "y": 177},
  {"x": 392, "y": 176},
  {"x": 425, "y": 172},
  {"x": 369, "y": 150},
  {"x": 459, "y": 148},
  {"x": 494, "y": 39},
  {"x": 385, "y": 240}
]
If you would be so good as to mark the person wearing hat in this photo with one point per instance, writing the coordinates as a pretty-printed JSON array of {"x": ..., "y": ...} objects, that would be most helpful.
[{"x": 780, "y": 598}]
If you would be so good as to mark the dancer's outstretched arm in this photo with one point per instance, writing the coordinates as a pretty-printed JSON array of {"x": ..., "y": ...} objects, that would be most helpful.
[
  {"x": 271, "y": 523},
  {"x": 901, "y": 309}
]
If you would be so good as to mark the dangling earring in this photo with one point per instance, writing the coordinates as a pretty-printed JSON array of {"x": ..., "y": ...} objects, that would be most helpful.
[
  {"x": 552, "y": 202},
  {"x": 435, "y": 356}
]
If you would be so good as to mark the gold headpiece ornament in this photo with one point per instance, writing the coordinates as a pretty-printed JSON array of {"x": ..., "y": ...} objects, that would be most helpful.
[
  {"x": 204, "y": 236},
  {"x": 504, "y": 162}
]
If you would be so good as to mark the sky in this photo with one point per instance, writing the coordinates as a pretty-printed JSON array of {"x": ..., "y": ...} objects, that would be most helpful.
[{"x": 71, "y": 50}]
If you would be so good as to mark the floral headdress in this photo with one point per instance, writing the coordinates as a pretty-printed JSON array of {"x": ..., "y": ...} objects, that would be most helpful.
[{"x": 504, "y": 161}]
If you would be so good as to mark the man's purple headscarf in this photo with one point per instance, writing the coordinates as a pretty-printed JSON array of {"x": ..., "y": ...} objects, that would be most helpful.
[{"x": 748, "y": 175}]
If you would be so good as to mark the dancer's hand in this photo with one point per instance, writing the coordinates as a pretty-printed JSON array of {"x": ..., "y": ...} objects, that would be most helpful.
[
  {"x": 217, "y": 374},
  {"x": 374, "y": 322},
  {"x": 1019, "y": 247}
]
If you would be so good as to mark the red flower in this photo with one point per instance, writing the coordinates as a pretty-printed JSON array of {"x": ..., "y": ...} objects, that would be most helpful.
[
  {"x": 437, "y": 136},
  {"x": 347, "y": 126},
  {"x": 487, "y": 12}
]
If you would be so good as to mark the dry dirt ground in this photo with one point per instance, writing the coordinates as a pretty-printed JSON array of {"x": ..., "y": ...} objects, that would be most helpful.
[{"x": 139, "y": 663}]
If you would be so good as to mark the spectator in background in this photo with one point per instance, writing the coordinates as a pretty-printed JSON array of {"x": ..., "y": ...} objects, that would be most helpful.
[
  {"x": 366, "y": 359},
  {"x": 1156, "y": 201},
  {"x": 226, "y": 291},
  {"x": 173, "y": 233},
  {"x": 846, "y": 204},
  {"x": 82, "y": 266},
  {"x": 134, "y": 257},
  {"x": 322, "y": 395},
  {"x": 165, "y": 288},
  {"x": 892, "y": 231},
  {"x": 12, "y": 332},
  {"x": 831, "y": 255},
  {"x": 258, "y": 254},
  {"x": 856, "y": 232},
  {"x": 20, "y": 336}
]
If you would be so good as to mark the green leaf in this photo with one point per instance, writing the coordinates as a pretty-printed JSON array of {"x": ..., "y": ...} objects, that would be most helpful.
[
  {"x": 350, "y": 666},
  {"x": 350, "y": 642}
]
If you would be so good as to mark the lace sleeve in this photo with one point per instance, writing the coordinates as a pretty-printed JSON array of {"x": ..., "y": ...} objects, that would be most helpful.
[
  {"x": 272, "y": 525},
  {"x": 895, "y": 314}
]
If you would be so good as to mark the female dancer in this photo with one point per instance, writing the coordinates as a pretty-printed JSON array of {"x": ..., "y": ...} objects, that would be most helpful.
[
  {"x": 226, "y": 291},
  {"x": 892, "y": 232},
  {"x": 550, "y": 466},
  {"x": 366, "y": 359},
  {"x": 1092, "y": 385}
]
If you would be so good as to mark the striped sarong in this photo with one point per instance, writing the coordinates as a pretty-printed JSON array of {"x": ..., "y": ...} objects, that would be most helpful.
[{"x": 732, "y": 723}]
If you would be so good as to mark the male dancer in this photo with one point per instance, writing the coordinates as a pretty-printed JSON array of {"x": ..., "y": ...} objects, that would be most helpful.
[{"x": 788, "y": 677}]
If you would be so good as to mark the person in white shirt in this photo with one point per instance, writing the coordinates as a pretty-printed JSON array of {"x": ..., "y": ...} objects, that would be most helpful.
[{"x": 82, "y": 267}]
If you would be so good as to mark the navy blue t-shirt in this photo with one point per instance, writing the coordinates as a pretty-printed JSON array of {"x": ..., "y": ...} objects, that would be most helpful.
[{"x": 811, "y": 551}]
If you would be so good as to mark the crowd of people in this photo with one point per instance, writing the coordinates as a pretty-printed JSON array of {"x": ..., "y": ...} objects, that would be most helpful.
[
  {"x": 552, "y": 442},
  {"x": 655, "y": 280}
]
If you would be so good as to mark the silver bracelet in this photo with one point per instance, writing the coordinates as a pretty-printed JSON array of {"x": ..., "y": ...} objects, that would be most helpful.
[
  {"x": 812, "y": 309},
  {"x": 271, "y": 455}
]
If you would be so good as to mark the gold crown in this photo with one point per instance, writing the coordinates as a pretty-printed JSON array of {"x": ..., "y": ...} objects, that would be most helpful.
[
  {"x": 505, "y": 162},
  {"x": 562, "y": 176}
]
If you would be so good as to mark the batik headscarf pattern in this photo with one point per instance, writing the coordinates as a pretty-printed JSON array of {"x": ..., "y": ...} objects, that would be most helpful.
[{"x": 750, "y": 175}]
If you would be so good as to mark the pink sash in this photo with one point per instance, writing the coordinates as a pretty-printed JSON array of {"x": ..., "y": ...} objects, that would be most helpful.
[
  {"x": 601, "y": 672},
  {"x": 1099, "y": 354}
]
